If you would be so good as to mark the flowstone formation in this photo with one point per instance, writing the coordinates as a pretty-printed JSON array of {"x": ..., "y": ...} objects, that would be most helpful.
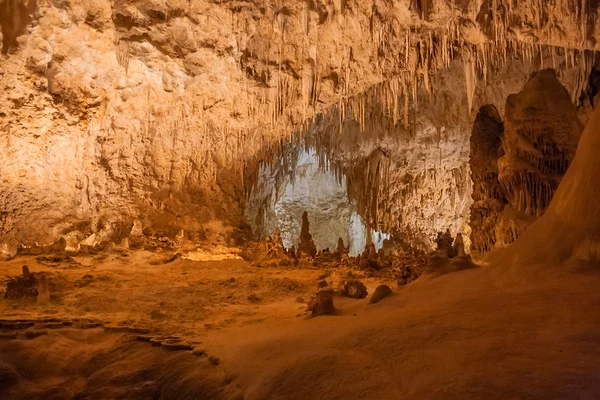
[
  {"x": 541, "y": 133},
  {"x": 515, "y": 183}
]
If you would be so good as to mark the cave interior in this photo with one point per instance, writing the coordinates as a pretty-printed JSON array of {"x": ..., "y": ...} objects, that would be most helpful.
[{"x": 303, "y": 199}]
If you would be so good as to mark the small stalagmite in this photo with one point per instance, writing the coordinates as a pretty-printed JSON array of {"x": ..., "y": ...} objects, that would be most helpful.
[
  {"x": 136, "y": 230},
  {"x": 444, "y": 242},
  {"x": 307, "y": 247},
  {"x": 322, "y": 304},
  {"x": 43, "y": 296},
  {"x": 342, "y": 250},
  {"x": 372, "y": 252},
  {"x": 292, "y": 252},
  {"x": 459, "y": 246},
  {"x": 381, "y": 292},
  {"x": 278, "y": 243},
  {"x": 355, "y": 289}
]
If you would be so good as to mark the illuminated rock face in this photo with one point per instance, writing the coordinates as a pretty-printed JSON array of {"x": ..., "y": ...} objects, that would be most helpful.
[
  {"x": 116, "y": 111},
  {"x": 517, "y": 165}
]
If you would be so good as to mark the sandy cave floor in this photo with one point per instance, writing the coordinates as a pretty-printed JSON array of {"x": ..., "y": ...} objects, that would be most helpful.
[{"x": 487, "y": 333}]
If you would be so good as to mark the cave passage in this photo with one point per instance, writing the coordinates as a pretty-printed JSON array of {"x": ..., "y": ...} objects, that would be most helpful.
[{"x": 316, "y": 190}]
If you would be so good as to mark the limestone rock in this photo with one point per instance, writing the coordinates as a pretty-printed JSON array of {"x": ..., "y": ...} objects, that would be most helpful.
[
  {"x": 269, "y": 252},
  {"x": 341, "y": 251},
  {"x": 381, "y": 292},
  {"x": 277, "y": 241},
  {"x": 438, "y": 261},
  {"x": 158, "y": 110},
  {"x": 8, "y": 376},
  {"x": 462, "y": 262},
  {"x": 541, "y": 134},
  {"x": 410, "y": 270},
  {"x": 58, "y": 246},
  {"x": 109, "y": 247},
  {"x": 355, "y": 289},
  {"x": 322, "y": 304}
]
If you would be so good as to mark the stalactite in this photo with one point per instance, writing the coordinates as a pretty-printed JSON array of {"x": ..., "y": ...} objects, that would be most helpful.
[
  {"x": 122, "y": 50},
  {"x": 470, "y": 78}
]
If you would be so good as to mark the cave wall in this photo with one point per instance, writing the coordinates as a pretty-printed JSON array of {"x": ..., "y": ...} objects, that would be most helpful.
[
  {"x": 113, "y": 111},
  {"x": 489, "y": 197}
]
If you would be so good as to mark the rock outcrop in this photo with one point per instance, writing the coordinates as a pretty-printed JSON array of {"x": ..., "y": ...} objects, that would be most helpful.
[
  {"x": 381, "y": 292},
  {"x": 355, "y": 289}
]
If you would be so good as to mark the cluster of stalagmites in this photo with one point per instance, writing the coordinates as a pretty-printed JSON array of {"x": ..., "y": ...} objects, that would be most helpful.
[
  {"x": 394, "y": 260},
  {"x": 451, "y": 247},
  {"x": 28, "y": 285},
  {"x": 449, "y": 255},
  {"x": 61, "y": 250},
  {"x": 517, "y": 164},
  {"x": 322, "y": 302}
]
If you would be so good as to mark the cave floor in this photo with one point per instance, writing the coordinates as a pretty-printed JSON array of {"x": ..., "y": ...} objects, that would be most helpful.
[
  {"x": 486, "y": 333},
  {"x": 183, "y": 297}
]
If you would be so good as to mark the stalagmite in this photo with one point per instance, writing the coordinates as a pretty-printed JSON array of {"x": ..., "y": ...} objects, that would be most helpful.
[
  {"x": 307, "y": 247},
  {"x": 470, "y": 78},
  {"x": 459, "y": 246},
  {"x": 43, "y": 296},
  {"x": 444, "y": 242}
]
